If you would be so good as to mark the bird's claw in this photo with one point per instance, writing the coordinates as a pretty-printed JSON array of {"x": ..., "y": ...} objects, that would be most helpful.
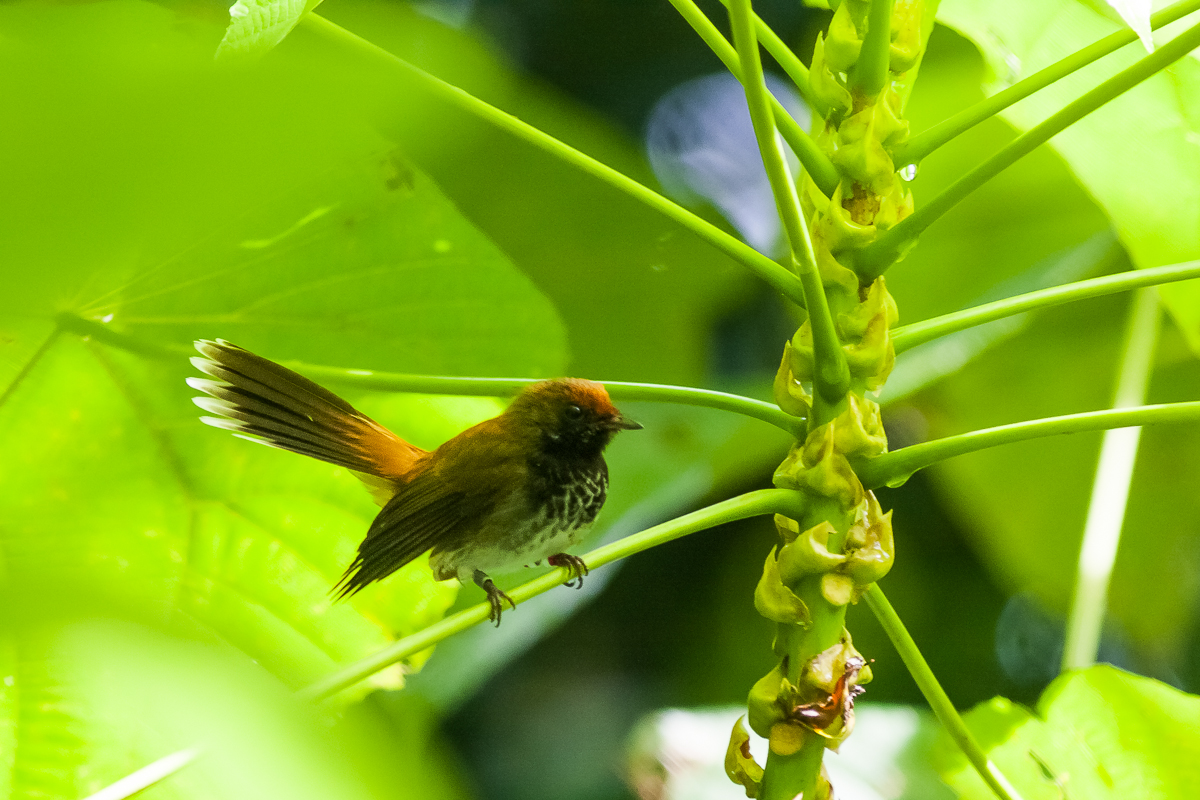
[
  {"x": 574, "y": 564},
  {"x": 496, "y": 597}
]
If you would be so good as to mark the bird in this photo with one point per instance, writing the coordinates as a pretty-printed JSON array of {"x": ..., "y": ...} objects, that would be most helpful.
[{"x": 516, "y": 489}]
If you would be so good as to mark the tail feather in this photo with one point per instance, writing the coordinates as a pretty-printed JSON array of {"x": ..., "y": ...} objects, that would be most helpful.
[{"x": 260, "y": 400}]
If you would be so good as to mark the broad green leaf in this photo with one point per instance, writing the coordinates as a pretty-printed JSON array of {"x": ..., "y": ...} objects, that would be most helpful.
[
  {"x": 256, "y": 26},
  {"x": 1098, "y": 733},
  {"x": 1137, "y": 155},
  {"x": 214, "y": 203},
  {"x": 1065, "y": 362},
  {"x": 95, "y": 698}
]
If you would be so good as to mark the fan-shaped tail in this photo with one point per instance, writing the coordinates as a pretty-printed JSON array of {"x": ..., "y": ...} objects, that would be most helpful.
[{"x": 262, "y": 401}]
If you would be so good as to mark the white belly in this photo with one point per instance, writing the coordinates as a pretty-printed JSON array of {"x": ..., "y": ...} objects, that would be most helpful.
[{"x": 514, "y": 540}]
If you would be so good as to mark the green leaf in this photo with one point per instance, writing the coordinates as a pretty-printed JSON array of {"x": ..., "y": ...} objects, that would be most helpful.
[
  {"x": 256, "y": 26},
  {"x": 1099, "y": 733},
  {"x": 294, "y": 232},
  {"x": 1003, "y": 238},
  {"x": 1137, "y": 155},
  {"x": 87, "y": 701},
  {"x": 1064, "y": 362}
]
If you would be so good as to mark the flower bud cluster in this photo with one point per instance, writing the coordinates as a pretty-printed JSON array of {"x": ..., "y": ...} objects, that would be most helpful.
[{"x": 844, "y": 542}]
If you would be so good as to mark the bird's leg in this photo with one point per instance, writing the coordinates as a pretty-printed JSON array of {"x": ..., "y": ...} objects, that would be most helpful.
[
  {"x": 574, "y": 564},
  {"x": 495, "y": 596}
]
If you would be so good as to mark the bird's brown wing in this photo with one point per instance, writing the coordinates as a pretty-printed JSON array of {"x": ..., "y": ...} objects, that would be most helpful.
[
  {"x": 425, "y": 512},
  {"x": 446, "y": 500},
  {"x": 260, "y": 400}
]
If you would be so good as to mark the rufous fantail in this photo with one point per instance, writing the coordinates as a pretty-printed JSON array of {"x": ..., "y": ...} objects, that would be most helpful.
[{"x": 519, "y": 488}]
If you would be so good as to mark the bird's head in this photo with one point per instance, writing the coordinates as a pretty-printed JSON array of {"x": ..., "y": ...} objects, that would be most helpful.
[{"x": 574, "y": 418}]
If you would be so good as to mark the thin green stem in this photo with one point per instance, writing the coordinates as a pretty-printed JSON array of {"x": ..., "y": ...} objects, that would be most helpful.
[
  {"x": 935, "y": 695},
  {"x": 869, "y": 74},
  {"x": 25, "y": 370},
  {"x": 874, "y": 259},
  {"x": 893, "y": 469},
  {"x": 438, "y": 384},
  {"x": 780, "y": 278},
  {"x": 819, "y": 167},
  {"x": 909, "y": 336},
  {"x": 1110, "y": 490},
  {"x": 929, "y": 140},
  {"x": 752, "y": 504},
  {"x": 787, "y": 61},
  {"x": 507, "y": 387},
  {"x": 832, "y": 378}
]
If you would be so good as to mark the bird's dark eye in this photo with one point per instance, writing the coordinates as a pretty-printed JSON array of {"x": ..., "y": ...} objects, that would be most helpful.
[{"x": 574, "y": 412}]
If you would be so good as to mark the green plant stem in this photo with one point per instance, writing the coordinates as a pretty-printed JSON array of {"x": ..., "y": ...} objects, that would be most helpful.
[
  {"x": 752, "y": 504},
  {"x": 929, "y": 140},
  {"x": 819, "y": 167},
  {"x": 437, "y": 384},
  {"x": 909, "y": 336},
  {"x": 787, "y": 60},
  {"x": 874, "y": 259},
  {"x": 892, "y": 469},
  {"x": 832, "y": 377},
  {"x": 1110, "y": 490},
  {"x": 870, "y": 72},
  {"x": 780, "y": 278},
  {"x": 935, "y": 695}
]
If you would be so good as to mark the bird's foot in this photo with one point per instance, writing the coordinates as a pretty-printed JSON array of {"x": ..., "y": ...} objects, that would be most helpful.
[
  {"x": 495, "y": 595},
  {"x": 574, "y": 564}
]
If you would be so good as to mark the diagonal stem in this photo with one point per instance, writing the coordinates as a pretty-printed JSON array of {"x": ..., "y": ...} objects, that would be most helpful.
[
  {"x": 909, "y": 336},
  {"x": 935, "y": 695},
  {"x": 782, "y": 279},
  {"x": 787, "y": 60},
  {"x": 751, "y": 504},
  {"x": 875, "y": 258},
  {"x": 819, "y": 167},
  {"x": 927, "y": 141},
  {"x": 1110, "y": 491},
  {"x": 832, "y": 376},
  {"x": 893, "y": 469}
]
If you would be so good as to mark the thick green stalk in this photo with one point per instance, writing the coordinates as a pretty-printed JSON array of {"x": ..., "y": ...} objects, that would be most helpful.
[
  {"x": 929, "y": 140},
  {"x": 823, "y": 173},
  {"x": 780, "y": 278},
  {"x": 870, "y": 74},
  {"x": 831, "y": 380},
  {"x": 907, "y": 337},
  {"x": 1110, "y": 491},
  {"x": 873, "y": 260},
  {"x": 893, "y": 469},
  {"x": 935, "y": 695}
]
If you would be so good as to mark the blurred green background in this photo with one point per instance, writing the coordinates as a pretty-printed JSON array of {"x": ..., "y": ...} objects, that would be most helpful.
[{"x": 164, "y": 584}]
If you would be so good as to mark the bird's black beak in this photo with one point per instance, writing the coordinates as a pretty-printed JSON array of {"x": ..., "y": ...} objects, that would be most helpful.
[{"x": 621, "y": 423}]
